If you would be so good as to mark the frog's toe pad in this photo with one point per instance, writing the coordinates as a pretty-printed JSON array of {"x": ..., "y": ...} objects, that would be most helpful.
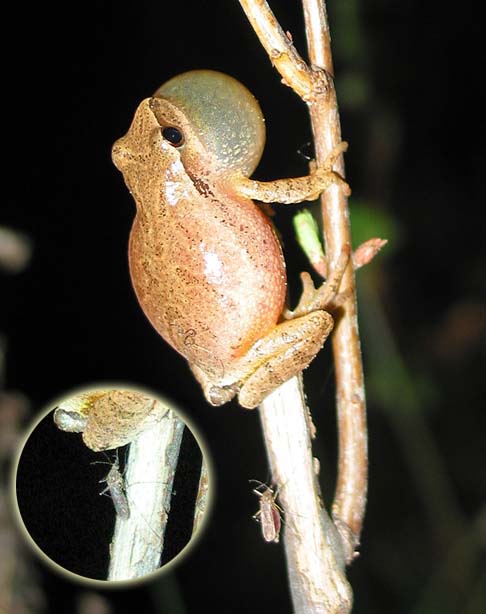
[{"x": 219, "y": 396}]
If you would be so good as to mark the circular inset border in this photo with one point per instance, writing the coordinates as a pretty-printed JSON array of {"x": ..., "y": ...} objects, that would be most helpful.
[{"x": 92, "y": 582}]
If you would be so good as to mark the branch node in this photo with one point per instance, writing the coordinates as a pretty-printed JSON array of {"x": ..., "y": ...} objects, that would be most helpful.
[
  {"x": 349, "y": 539},
  {"x": 323, "y": 81}
]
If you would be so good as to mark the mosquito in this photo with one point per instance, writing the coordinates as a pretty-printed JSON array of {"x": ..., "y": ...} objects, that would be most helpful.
[
  {"x": 269, "y": 514},
  {"x": 115, "y": 485}
]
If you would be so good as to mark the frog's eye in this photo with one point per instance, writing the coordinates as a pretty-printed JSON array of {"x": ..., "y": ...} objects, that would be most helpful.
[{"x": 173, "y": 135}]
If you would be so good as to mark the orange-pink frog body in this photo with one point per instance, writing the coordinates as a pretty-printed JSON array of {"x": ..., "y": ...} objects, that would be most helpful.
[{"x": 205, "y": 262}]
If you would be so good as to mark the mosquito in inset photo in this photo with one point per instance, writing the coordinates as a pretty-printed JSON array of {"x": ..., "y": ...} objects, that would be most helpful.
[
  {"x": 269, "y": 514},
  {"x": 115, "y": 485}
]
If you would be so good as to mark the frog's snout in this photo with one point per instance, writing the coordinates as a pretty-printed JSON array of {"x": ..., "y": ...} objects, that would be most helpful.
[{"x": 121, "y": 154}]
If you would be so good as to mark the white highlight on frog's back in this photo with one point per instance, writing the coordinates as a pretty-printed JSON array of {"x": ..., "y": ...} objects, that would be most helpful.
[
  {"x": 172, "y": 192},
  {"x": 213, "y": 267},
  {"x": 173, "y": 188},
  {"x": 115, "y": 485}
]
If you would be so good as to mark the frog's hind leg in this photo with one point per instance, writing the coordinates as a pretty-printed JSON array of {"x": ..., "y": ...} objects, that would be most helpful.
[{"x": 284, "y": 352}]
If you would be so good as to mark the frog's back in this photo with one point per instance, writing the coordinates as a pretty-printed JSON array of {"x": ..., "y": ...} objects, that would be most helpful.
[
  {"x": 206, "y": 265},
  {"x": 210, "y": 277}
]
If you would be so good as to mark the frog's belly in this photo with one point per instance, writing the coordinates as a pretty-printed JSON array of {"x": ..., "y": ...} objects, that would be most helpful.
[{"x": 211, "y": 297}]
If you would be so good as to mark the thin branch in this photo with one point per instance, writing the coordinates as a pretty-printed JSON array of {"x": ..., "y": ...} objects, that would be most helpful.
[
  {"x": 138, "y": 541},
  {"x": 321, "y": 554},
  {"x": 350, "y": 498},
  {"x": 283, "y": 55},
  {"x": 315, "y": 558}
]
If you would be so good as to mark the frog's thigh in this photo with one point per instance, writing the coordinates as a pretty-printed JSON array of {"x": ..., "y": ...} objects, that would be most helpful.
[{"x": 289, "y": 348}]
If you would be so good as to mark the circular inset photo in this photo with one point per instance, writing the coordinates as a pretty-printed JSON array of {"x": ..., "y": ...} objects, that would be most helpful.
[{"x": 112, "y": 485}]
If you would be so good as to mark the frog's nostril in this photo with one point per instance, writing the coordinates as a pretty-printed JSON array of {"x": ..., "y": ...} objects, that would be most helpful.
[{"x": 120, "y": 155}]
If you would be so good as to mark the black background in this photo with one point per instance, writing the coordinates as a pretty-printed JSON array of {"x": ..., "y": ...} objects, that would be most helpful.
[{"x": 73, "y": 76}]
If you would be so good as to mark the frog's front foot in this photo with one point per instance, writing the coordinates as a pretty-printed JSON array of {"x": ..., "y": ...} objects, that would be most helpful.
[
  {"x": 312, "y": 298},
  {"x": 219, "y": 395},
  {"x": 326, "y": 170}
]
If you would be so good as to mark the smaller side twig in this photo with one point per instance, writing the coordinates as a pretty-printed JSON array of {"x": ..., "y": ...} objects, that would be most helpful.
[{"x": 307, "y": 234}]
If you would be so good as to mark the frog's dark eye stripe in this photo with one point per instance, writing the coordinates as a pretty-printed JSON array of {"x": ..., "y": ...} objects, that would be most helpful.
[{"x": 173, "y": 135}]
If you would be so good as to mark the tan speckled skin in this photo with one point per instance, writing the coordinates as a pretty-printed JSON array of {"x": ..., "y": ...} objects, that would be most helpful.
[
  {"x": 111, "y": 418},
  {"x": 205, "y": 263},
  {"x": 200, "y": 282}
]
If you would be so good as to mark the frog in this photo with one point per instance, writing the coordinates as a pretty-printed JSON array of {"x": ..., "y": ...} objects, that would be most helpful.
[
  {"x": 108, "y": 419},
  {"x": 205, "y": 260}
]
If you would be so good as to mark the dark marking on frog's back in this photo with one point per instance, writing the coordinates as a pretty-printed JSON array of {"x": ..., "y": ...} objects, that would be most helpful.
[{"x": 202, "y": 187}]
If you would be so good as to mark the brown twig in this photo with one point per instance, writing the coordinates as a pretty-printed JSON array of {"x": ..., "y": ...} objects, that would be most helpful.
[
  {"x": 307, "y": 235},
  {"x": 350, "y": 498},
  {"x": 314, "y": 85},
  {"x": 283, "y": 55}
]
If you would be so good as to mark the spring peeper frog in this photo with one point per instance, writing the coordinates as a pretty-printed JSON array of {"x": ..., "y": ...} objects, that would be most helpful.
[{"x": 205, "y": 261}]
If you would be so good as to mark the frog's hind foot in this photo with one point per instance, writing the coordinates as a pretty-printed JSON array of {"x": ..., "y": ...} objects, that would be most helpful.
[{"x": 215, "y": 395}]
